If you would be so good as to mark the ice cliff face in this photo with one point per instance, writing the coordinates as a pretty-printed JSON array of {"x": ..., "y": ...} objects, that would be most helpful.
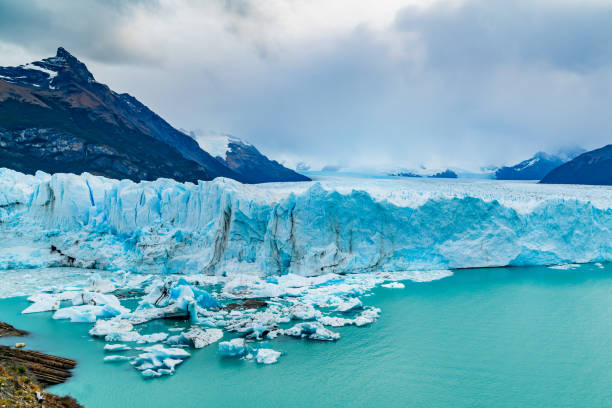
[{"x": 224, "y": 227}]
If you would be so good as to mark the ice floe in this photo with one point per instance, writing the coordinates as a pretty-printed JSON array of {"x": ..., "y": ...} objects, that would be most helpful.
[
  {"x": 267, "y": 356},
  {"x": 158, "y": 360},
  {"x": 196, "y": 337},
  {"x": 116, "y": 347},
  {"x": 393, "y": 285}
]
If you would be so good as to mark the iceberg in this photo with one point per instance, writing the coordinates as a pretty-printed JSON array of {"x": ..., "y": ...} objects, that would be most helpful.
[
  {"x": 196, "y": 337},
  {"x": 116, "y": 358},
  {"x": 233, "y": 348},
  {"x": 116, "y": 347},
  {"x": 312, "y": 331},
  {"x": 267, "y": 356},
  {"x": 89, "y": 313},
  {"x": 158, "y": 360},
  {"x": 43, "y": 302},
  {"x": 223, "y": 227},
  {"x": 393, "y": 285}
]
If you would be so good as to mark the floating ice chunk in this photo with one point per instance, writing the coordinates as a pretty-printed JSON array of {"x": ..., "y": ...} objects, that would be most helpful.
[
  {"x": 170, "y": 299},
  {"x": 134, "y": 336},
  {"x": 565, "y": 266},
  {"x": 158, "y": 360},
  {"x": 196, "y": 337},
  {"x": 394, "y": 285},
  {"x": 368, "y": 316},
  {"x": 42, "y": 303},
  {"x": 116, "y": 358},
  {"x": 102, "y": 328},
  {"x": 102, "y": 285},
  {"x": 94, "y": 298},
  {"x": 89, "y": 313},
  {"x": 233, "y": 348},
  {"x": 116, "y": 347},
  {"x": 349, "y": 305},
  {"x": 313, "y": 331},
  {"x": 259, "y": 323},
  {"x": 303, "y": 311},
  {"x": 335, "y": 321},
  {"x": 267, "y": 356}
]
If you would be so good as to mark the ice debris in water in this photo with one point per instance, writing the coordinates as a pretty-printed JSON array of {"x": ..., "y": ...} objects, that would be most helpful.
[
  {"x": 116, "y": 358},
  {"x": 267, "y": 356},
  {"x": 88, "y": 313},
  {"x": 565, "y": 266},
  {"x": 313, "y": 331},
  {"x": 238, "y": 348},
  {"x": 393, "y": 285},
  {"x": 294, "y": 306},
  {"x": 196, "y": 337},
  {"x": 116, "y": 347},
  {"x": 233, "y": 348},
  {"x": 158, "y": 360}
]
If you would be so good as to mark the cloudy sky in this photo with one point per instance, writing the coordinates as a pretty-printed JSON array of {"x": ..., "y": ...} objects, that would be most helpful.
[{"x": 356, "y": 83}]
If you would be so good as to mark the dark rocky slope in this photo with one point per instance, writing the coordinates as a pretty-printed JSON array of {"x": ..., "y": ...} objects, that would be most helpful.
[
  {"x": 55, "y": 117},
  {"x": 594, "y": 168}
]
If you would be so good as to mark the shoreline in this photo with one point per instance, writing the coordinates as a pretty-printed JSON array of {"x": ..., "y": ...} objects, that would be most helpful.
[{"x": 24, "y": 374}]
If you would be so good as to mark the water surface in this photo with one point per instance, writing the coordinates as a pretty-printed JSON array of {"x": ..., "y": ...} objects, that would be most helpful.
[{"x": 504, "y": 337}]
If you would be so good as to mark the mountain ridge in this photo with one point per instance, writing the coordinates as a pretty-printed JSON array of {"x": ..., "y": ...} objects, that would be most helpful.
[
  {"x": 135, "y": 142},
  {"x": 593, "y": 168}
]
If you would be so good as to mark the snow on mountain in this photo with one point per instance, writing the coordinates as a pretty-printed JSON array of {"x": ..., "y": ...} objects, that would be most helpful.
[
  {"x": 55, "y": 117},
  {"x": 224, "y": 227},
  {"x": 538, "y": 166},
  {"x": 594, "y": 168},
  {"x": 217, "y": 144},
  {"x": 244, "y": 158}
]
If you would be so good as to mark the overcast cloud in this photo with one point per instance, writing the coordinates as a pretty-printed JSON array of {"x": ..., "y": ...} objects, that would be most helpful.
[{"x": 347, "y": 82}]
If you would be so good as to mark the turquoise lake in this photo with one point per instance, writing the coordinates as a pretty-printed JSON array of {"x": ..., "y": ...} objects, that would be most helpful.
[{"x": 503, "y": 337}]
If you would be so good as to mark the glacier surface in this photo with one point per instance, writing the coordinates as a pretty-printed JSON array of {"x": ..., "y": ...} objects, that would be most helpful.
[{"x": 222, "y": 227}]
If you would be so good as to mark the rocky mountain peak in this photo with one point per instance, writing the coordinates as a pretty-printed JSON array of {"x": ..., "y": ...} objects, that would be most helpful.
[{"x": 70, "y": 66}]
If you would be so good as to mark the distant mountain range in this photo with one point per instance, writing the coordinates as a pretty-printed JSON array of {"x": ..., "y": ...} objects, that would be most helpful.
[
  {"x": 594, "y": 167},
  {"x": 243, "y": 158},
  {"x": 436, "y": 174},
  {"x": 55, "y": 117},
  {"x": 536, "y": 167}
]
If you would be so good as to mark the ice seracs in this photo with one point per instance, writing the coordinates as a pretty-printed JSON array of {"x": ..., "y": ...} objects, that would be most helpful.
[{"x": 223, "y": 227}]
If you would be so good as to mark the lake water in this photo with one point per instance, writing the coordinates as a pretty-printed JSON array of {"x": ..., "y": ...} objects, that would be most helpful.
[{"x": 504, "y": 337}]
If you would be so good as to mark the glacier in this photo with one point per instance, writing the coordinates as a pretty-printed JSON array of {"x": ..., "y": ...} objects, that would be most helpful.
[
  {"x": 225, "y": 228},
  {"x": 118, "y": 255}
]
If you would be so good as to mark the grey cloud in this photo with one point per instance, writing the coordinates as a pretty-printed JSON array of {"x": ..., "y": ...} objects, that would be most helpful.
[
  {"x": 485, "y": 82},
  {"x": 87, "y": 28}
]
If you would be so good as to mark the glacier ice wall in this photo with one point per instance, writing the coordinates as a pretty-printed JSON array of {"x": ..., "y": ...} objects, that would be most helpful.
[{"x": 223, "y": 227}]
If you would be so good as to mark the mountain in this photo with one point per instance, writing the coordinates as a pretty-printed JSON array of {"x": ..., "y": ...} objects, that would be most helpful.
[
  {"x": 537, "y": 166},
  {"x": 55, "y": 117},
  {"x": 444, "y": 174},
  {"x": 243, "y": 158},
  {"x": 594, "y": 167}
]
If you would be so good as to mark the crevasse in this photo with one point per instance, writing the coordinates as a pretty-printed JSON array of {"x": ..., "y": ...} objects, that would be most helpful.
[{"x": 223, "y": 227}]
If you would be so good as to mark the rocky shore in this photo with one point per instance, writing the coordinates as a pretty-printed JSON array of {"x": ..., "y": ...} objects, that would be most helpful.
[{"x": 24, "y": 374}]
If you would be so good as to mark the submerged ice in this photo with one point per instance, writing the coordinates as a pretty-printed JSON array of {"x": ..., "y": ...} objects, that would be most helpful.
[{"x": 222, "y": 227}]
